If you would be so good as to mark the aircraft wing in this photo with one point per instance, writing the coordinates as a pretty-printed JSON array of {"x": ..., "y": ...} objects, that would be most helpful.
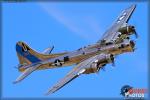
[
  {"x": 121, "y": 21},
  {"x": 74, "y": 73},
  {"x": 26, "y": 73}
]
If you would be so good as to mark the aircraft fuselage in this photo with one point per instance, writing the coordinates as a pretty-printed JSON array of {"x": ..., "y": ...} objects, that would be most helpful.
[{"x": 83, "y": 53}]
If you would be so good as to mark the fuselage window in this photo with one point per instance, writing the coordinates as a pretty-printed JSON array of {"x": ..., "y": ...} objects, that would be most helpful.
[{"x": 66, "y": 58}]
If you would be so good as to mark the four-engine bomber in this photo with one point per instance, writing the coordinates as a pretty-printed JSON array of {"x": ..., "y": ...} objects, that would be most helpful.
[{"x": 88, "y": 59}]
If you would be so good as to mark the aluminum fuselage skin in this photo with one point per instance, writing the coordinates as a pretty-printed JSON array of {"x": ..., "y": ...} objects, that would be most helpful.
[{"x": 81, "y": 54}]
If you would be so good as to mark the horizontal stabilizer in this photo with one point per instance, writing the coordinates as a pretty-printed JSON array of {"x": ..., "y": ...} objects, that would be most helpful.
[
  {"x": 26, "y": 73},
  {"x": 48, "y": 50}
]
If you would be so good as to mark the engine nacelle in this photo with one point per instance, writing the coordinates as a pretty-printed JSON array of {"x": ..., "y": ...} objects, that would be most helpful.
[
  {"x": 127, "y": 30},
  {"x": 99, "y": 62}
]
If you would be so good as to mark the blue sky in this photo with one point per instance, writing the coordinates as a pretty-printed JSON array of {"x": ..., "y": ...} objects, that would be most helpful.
[{"x": 68, "y": 26}]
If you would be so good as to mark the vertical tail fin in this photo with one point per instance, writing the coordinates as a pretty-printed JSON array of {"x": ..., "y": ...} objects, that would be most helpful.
[{"x": 26, "y": 54}]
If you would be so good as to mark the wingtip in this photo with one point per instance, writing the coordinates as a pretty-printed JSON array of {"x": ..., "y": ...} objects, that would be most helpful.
[
  {"x": 16, "y": 81},
  {"x": 47, "y": 93},
  {"x": 133, "y": 6}
]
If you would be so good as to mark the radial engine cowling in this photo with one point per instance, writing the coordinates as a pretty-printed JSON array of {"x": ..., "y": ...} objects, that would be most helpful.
[
  {"x": 99, "y": 62},
  {"x": 127, "y": 30}
]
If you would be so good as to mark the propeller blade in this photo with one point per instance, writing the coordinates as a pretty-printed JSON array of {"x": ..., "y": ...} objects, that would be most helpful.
[
  {"x": 113, "y": 64},
  {"x": 136, "y": 35},
  {"x": 103, "y": 68},
  {"x": 112, "y": 59},
  {"x": 98, "y": 70},
  {"x": 134, "y": 49}
]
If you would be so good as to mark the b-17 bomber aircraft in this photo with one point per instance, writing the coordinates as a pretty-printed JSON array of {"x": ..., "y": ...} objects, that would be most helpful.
[{"x": 88, "y": 59}]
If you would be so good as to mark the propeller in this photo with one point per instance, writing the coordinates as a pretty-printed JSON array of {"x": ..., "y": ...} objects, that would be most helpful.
[
  {"x": 136, "y": 35},
  {"x": 134, "y": 49},
  {"x": 113, "y": 64},
  {"x": 112, "y": 60},
  {"x": 103, "y": 68},
  {"x": 98, "y": 69},
  {"x": 134, "y": 31},
  {"x": 132, "y": 43}
]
